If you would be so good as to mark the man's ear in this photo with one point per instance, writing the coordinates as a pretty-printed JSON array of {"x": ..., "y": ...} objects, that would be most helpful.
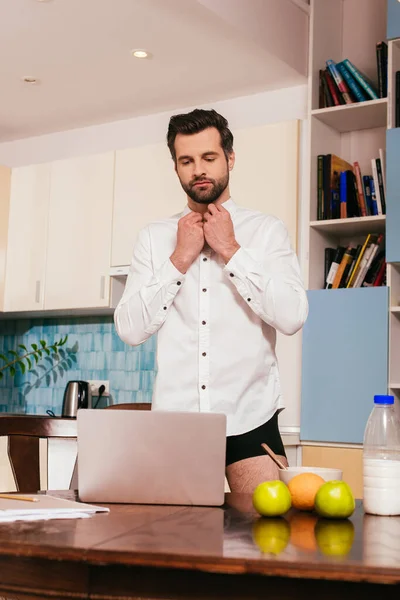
[{"x": 231, "y": 160}]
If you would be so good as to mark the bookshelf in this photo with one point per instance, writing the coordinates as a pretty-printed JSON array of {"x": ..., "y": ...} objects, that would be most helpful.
[
  {"x": 352, "y": 117},
  {"x": 342, "y": 339},
  {"x": 341, "y": 29}
]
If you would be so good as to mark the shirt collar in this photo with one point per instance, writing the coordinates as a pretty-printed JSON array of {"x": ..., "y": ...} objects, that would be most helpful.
[{"x": 228, "y": 204}]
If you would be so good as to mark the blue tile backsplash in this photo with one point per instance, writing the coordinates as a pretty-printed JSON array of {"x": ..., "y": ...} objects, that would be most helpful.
[{"x": 93, "y": 352}]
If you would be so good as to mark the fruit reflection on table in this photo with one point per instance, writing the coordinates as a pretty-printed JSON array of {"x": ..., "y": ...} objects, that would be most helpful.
[{"x": 309, "y": 513}]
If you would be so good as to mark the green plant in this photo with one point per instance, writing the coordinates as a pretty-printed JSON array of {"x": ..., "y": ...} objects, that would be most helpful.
[{"x": 25, "y": 356}]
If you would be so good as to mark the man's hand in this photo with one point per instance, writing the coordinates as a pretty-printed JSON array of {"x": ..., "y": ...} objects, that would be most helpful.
[
  {"x": 219, "y": 232},
  {"x": 190, "y": 241}
]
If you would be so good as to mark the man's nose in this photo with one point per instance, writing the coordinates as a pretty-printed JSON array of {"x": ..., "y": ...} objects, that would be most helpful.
[{"x": 198, "y": 169}]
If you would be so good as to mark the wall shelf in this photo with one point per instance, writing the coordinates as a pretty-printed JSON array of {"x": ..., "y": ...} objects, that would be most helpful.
[
  {"x": 353, "y": 117},
  {"x": 353, "y": 226}
]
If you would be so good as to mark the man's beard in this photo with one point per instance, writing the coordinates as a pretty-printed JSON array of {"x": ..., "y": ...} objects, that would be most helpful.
[{"x": 209, "y": 195}]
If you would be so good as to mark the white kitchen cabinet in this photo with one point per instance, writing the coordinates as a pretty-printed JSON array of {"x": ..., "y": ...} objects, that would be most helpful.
[
  {"x": 79, "y": 233},
  {"x": 27, "y": 238},
  {"x": 5, "y": 184},
  {"x": 146, "y": 189}
]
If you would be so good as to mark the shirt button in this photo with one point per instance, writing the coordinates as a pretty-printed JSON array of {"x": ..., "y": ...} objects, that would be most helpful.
[
  {"x": 203, "y": 387},
  {"x": 248, "y": 299},
  {"x": 231, "y": 275},
  {"x": 203, "y": 322},
  {"x": 165, "y": 308},
  {"x": 204, "y": 354},
  {"x": 204, "y": 289},
  {"x": 204, "y": 259},
  {"x": 178, "y": 283}
]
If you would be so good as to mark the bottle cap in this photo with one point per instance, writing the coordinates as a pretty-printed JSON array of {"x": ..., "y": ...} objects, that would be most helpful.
[{"x": 383, "y": 399}]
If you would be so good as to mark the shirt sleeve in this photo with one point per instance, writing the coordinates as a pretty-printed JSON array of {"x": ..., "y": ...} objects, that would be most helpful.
[
  {"x": 148, "y": 294},
  {"x": 270, "y": 281}
]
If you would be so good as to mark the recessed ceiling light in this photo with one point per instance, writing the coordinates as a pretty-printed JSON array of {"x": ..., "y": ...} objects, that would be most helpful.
[
  {"x": 30, "y": 80},
  {"x": 141, "y": 53}
]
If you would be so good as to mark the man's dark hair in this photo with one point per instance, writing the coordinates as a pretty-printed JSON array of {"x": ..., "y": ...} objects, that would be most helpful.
[{"x": 197, "y": 121}]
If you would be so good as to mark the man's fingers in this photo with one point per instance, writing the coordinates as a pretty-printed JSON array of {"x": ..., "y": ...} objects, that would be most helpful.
[
  {"x": 192, "y": 217},
  {"x": 212, "y": 209}
]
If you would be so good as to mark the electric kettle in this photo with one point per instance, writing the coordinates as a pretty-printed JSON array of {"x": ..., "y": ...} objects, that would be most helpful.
[{"x": 76, "y": 395}]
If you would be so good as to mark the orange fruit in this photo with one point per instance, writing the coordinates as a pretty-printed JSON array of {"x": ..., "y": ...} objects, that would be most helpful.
[
  {"x": 302, "y": 534},
  {"x": 303, "y": 489}
]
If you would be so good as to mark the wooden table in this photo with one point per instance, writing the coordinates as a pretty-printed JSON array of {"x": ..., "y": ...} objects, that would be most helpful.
[{"x": 171, "y": 552}]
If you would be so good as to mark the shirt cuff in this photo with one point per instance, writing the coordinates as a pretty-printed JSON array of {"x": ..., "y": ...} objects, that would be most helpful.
[
  {"x": 170, "y": 274},
  {"x": 241, "y": 264}
]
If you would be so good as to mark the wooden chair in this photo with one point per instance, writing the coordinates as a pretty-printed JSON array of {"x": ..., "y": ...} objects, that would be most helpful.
[{"x": 24, "y": 433}]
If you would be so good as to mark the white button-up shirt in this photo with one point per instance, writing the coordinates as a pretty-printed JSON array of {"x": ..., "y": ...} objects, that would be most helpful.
[{"x": 217, "y": 323}]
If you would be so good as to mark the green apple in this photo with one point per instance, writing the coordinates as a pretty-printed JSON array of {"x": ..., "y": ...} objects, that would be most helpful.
[
  {"x": 335, "y": 500},
  {"x": 272, "y": 499},
  {"x": 271, "y": 535},
  {"x": 334, "y": 538}
]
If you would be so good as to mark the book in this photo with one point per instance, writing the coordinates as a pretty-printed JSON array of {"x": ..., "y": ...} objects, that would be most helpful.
[
  {"x": 360, "y": 190},
  {"x": 376, "y": 186},
  {"x": 366, "y": 266},
  {"x": 329, "y": 256},
  {"x": 373, "y": 196},
  {"x": 381, "y": 63},
  {"x": 352, "y": 266},
  {"x": 343, "y": 194},
  {"x": 361, "y": 271},
  {"x": 340, "y": 82},
  {"x": 356, "y": 89},
  {"x": 374, "y": 269},
  {"x": 334, "y": 267},
  {"x": 367, "y": 193},
  {"x": 385, "y": 68},
  {"x": 353, "y": 208},
  {"x": 345, "y": 264},
  {"x": 320, "y": 188},
  {"x": 380, "y": 183},
  {"x": 359, "y": 258},
  {"x": 397, "y": 100},
  {"x": 328, "y": 100},
  {"x": 335, "y": 93},
  {"x": 335, "y": 165},
  {"x": 361, "y": 79},
  {"x": 321, "y": 91},
  {"x": 380, "y": 277},
  {"x": 382, "y": 156}
]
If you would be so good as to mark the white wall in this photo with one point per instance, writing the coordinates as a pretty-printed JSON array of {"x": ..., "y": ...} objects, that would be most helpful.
[{"x": 247, "y": 111}]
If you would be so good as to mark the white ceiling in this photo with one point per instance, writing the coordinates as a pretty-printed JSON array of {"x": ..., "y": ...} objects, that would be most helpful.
[{"x": 204, "y": 51}]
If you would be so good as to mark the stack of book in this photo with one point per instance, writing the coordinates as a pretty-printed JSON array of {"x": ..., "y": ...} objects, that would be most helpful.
[
  {"x": 361, "y": 265},
  {"x": 344, "y": 83},
  {"x": 343, "y": 191}
]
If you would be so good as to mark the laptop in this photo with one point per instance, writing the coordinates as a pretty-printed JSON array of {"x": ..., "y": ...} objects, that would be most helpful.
[{"x": 151, "y": 457}]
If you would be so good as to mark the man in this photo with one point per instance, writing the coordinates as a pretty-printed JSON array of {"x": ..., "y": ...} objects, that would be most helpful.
[{"x": 215, "y": 283}]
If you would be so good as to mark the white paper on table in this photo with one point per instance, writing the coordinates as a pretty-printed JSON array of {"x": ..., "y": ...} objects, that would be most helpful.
[
  {"x": 45, "y": 507},
  {"x": 43, "y": 516}
]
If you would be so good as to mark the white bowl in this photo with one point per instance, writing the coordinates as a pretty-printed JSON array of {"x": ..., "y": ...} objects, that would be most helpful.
[{"x": 327, "y": 474}]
